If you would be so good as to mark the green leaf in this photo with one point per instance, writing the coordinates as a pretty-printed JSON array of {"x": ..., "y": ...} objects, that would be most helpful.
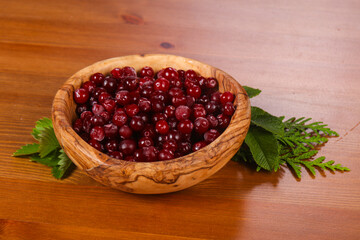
[
  {"x": 50, "y": 160},
  {"x": 252, "y": 92},
  {"x": 267, "y": 121},
  {"x": 48, "y": 141},
  {"x": 63, "y": 165},
  {"x": 40, "y": 125},
  {"x": 27, "y": 149},
  {"x": 263, "y": 146}
]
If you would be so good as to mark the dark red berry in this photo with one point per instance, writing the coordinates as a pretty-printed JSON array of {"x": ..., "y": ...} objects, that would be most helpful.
[
  {"x": 162, "y": 127},
  {"x": 129, "y": 71},
  {"x": 81, "y": 95},
  {"x": 158, "y": 116},
  {"x": 190, "y": 74},
  {"x": 176, "y": 92},
  {"x": 184, "y": 148},
  {"x": 185, "y": 126},
  {"x": 146, "y": 91},
  {"x": 201, "y": 125},
  {"x": 122, "y": 97},
  {"x": 165, "y": 154},
  {"x": 174, "y": 135},
  {"x": 157, "y": 106},
  {"x": 77, "y": 125},
  {"x": 199, "y": 111},
  {"x": 134, "y": 96},
  {"x": 213, "y": 121},
  {"x": 170, "y": 145},
  {"x": 110, "y": 84},
  {"x": 132, "y": 109},
  {"x": 147, "y": 72},
  {"x": 203, "y": 99},
  {"x": 197, "y": 146},
  {"x": 97, "y": 120},
  {"x": 172, "y": 122},
  {"x": 81, "y": 108},
  {"x": 109, "y": 105},
  {"x": 182, "y": 112},
  {"x": 212, "y": 84},
  {"x": 117, "y": 73},
  {"x": 139, "y": 155},
  {"x": 136, "y": 123},
  {"x": 148, "y": 131},
  {"x": 132, "y": 83},
  {"x": 145, "y": 142},
  {"x": 87, "y": 124},
  {"x": 229, "y": 109},
  {"x": 211, "y": 107},
  {"x": 127, "y": 147},
  {"x": 97, "y": 109},
  {"x": 106, "y": 116},
  {"x": 116, "y": 154},
  {"x": 144, "y": 104},
  {"x": 97, "y": 133},
  {"x": 162, "y": 84},
  {"x": 169, "y": 111},
  {"x": 211, "y": 135},
  {"x": 89, "y": 86},
  {"x": 150, "y": 154},
  {"x": 119, "y": 119},
  {"x": 97, "y": 78},
  {"x": 86, "y": 114},
  {"x": 111, "y": 130},
  {"x": 111, "y": 145},
  {"x": 103, "y": 96},
  {"x": 125, "y": 132},
  {"x": 169, "y": 73},
  {"x": 96, "y": 144},
  {"x": 223, "y": 120},
  {"x": 145, "y": 117},
  {"x": 180, "y": 100},
  {"x": 226, "y": 97},
  {"x": 215, "y": 97},
  {"x": 202, "y": 82}
]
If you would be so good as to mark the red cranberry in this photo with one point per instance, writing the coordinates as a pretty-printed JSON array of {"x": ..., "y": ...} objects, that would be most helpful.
[
  {"x": 185, "y": 126},
  {"x": 117, "y": 73},
  {"x": 181, "y": 74},
  {"x": 211, "y": 107},
  {"x": 194, "y": 91},
  {"x": 89, "y": 86},
  {"x": 87, "y": 124},
  {"x": 184, "y": 148},
  {"x": 176, "y": 92},
  {"x": 134, "y": 96},
  {"x": 122, "y": 97},
  {"x": 96, "y": 144},
  {"x": 147, "y": 72},
  {"x": 174, "y": 135},
  {"x": 197, "y": 146},
  {"x": 229, "y": 109},
  {"x": 106, "y": 116},
  {"x": 77, "y": 125},
  {"x": 169, "y": 73},
  {"x": 97, "y": 120},
  {"x": 103, "y": 96},
  {"x": 97, "y": 78},
  {"x": 158, "y": 116},
  {"x": 97, "y": 109},
  {"x": 109, "y": 105},
  {"x": 172, "y": 122},
  {"x": 81, "y": 95},
  {"x": 223, "y": 120},
  {"x": 226, "y": 97},
  {"x": 110, "y": 130},
  {"x": 170, "y": 145},
  {"x": 132, "y": 110},
  {"x": 146, "y": 81},
  {"x": 212, "y": 84},
  {"x": 201, "y": 125},
  {"x": 159, "y": 95},
  {"x": 211, "y": 135},
  {"x": 127, "y": 147},
  {"x": 199, "y": 111},
  {"x": 125, "y": 132},
  {"x": 161, "y": 139},
  {"x": 215, "y": 97},
  {"x": 145, "y": 117},
  {"x": 165, "y": 154},
  {"x": 182, "y": 112},
  {"x": 144, "y": 104},
  {"x": 189, "y": 83},
  {"x": 177, "y": 101},
  {"x": 110, "y": 84},
  {"x": 129, "y": 71},
  {"x": 139, "y": 155},
  {"x": 212, "y": 120},
  {"x": 119, "y": 119},
  {"x": 132, "y": 83},
  {"x": 162, "y": 84},
  {"x": 147, "y": 91},
  {"x": 86, "y": 114},
  {"x": 148, "y": 131},
  {"x": 190, "y": 74},
  {"x": 162, "y": 127},
  {"x": 145, "y": 142},
  {"x": 150, "y": 154},
  {"x": 116, "y": 154},
  {"x": 97, "y": 133},
  {"x": 169, "y": 111},
  {"x": 136, "y": 123},
  {"x": 85, "y": 136},
  {"x": 81, "y": 108},
  {"x": 157, "y": 106},
  {"x": 120, "y": 110},
  {"x": 203, "y": 99},
  {"x": 111, "y": 145},
  {"x": 202, "y": 82},
  {"x": 177, "y": 83},
  {"x": 190, "y": 101}
]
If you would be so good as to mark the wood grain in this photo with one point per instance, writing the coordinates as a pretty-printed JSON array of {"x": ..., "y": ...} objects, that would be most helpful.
[
  {"x": 304, "y": 55},
  {"x": 156, "y": 177}
]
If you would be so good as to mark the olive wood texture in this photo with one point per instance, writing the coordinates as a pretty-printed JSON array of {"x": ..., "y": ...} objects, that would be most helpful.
[{"x": 150, "y": 177}]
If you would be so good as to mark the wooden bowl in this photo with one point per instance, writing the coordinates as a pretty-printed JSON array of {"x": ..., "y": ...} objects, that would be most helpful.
[{"x": 150, "y": 177}]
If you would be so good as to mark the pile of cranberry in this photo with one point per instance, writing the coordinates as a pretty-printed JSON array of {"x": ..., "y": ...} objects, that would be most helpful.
[{"x": 144, "y": 118}]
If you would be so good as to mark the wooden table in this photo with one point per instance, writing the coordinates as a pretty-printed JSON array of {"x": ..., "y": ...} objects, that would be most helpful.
[{"x": 304, "y": 55}]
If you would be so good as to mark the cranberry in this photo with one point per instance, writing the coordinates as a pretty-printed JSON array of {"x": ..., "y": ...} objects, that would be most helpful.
[
  {"x": 182, "y": 112},
  {"x": 144, "y": 104},
  {"x": 81, "y": 108},
  {"x": 146, "y": 91},
  {"x": 177, "y": 83},
  {"x": 106, "y": 116},
  {"x": 81, "y": 95},
  {"x": 159, "y": 95},
  {"x": 184, "y": 147},
  {"x": 176, "y": 92},
  {"x": 145, "y": 117},
  {"x": 119, "y": 119},
  {"x": 203, "y": 99},
  {"x": 169, "y": 73},
  {"x": 104, "y": 96},
  {"x": 165, "y": 154},
  {"x": 129, "y": 71},
  {"x": 93, "y": 101},
  {"x": 109, "y": 105},
  {"x": 122, "y": 97},
  {"x": 212, "y": 120},
  {"x": 191, "y": 74},
  {"x": 132, "y": 83},
  {"x": 189, "y": 83},
  {"x": 97, "y": 78},
  {"x": 97, "y": 109},
  {"x": 174, "y": 135},
  {"x": 201, "y": 125},
  {"x": 212, "y": 84},
  {"x": 110, "y": 84},
  {"x": 87, "y": 124},
  {"x": 116, "y": 154},
  {"x": 132, "y": 110},
  {"x": 170, "y": 145},
  {"x": 96, "y": 144},
  {"x": 136, "y": 123},
  {"x": 77, "y": 125},
  {"x": 177, "y": 101},
  {"x": 97, "y": 120},
  {"x": 89, "y": 86},
  {"x": 121, "y": 86},
  {"x": 139, "y": 155},
  {"x": 162, "y": 127},
  {"x": 226, "y": 97},
  {"x": 169, "y": 111},
  {"x": 148, "y": 131},
  {"x": 157, "y": 106},
  {"x": 130, "y": 159},
  {"x": 199, "y": 111},
  {"x": 150, "y": 154},
  {"x": 98, "y": 91},
  {"x": 172, "y": 122},
  {"x": 127, "y": 147},
  {"x": 147, "y": 72},
  {"x": 229, "y": 109},
  {"x": 215, "y": 97},
  {"x": 185, "y": 126},
  {"x": 134, "y": 96},
  {"x": 145, "y": 142},
  {"x": 125, "y": 132},
  {"x": 211, "y": 135},
  {"x": 86, "y": 114},
  {"x": 161, "y": 139},
  {"x": 190, "y": 101},
  {"x": 110, "y": 130},
  {"x": 146, "y": 81},
  {"x": 162, "y": 84},
  {"x": 181, "y": 74},
  {"x": 120, "y": 110},
  {"x": 97, "y": 133},
  {"x": 85, "y": 136},
  {"x": 197, "y": 146},
  {"x": 158, "y": 116},
  {"x": 202, "y": 82},
  {"x": 117, "y": 73},
  {"x": 223, "y": 120},
  {"x": 111, "y": 145},
  {"x": 211, "y": 107}
]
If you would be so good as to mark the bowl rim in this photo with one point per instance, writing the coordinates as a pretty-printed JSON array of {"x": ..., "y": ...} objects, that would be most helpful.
[{"x": 63, "y": 127}]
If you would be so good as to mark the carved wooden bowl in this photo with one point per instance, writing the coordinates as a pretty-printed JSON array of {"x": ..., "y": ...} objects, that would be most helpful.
[{"x": 150, "y": 177}]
